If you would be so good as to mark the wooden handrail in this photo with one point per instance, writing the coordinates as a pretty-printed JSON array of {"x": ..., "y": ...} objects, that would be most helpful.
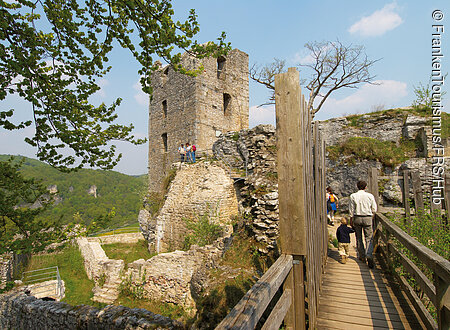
[
  {"x": 439, "y": 292},
  {"x": 248, "y": 311},
  {"x": 433, "y": 260}
]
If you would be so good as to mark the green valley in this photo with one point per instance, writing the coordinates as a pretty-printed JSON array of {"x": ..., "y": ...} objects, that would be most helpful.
[{"x": 117, "y": 194}]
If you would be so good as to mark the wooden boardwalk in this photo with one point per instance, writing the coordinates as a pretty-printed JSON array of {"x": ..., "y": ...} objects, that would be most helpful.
[{"x": 356, "y": 297}]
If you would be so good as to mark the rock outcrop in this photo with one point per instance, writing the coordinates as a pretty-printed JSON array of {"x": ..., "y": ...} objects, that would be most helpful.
[
  {"x": 394, "y": 125},
  {"x": 258, "y": 192},
  {"x": 197, "y": 189}
]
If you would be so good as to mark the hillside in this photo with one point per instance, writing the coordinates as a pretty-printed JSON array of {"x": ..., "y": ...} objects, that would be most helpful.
[{"x": 114, "y": 190}]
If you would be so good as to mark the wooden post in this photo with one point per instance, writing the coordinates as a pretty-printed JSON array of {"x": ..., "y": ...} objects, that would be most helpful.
[
  {"x": 417, "y": 189},
  {"x": 435, "y": 209},
  {"x": 443, "y": 302},
  {"x": 447, "y": 195},
  {"x": 291, "y": 192},
  {"x": 405, "y": 195},
  {"x": 373, "y": 184}
]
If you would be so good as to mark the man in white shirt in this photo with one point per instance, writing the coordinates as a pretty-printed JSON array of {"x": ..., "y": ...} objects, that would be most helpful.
[{"x": 362, "y": 207}]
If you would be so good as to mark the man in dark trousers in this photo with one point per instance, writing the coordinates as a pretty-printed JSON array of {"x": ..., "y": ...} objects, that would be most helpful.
[{"x": 362, "y": 207}]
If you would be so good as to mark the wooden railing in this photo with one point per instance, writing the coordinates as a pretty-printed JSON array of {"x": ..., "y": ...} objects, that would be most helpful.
[
  {"x": 437, "y": 291},
  {"x": 247, "y": 313},
  {"x": 303, "y": 233}
]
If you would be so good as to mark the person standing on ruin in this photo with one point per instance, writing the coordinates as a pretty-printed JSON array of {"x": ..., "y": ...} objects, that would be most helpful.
[
  {"x": 188, "y": 153},
  {"x": 193, "y": 150},
  {"x": 182, "y": 152},
  {"x": 362, "y": 207}
]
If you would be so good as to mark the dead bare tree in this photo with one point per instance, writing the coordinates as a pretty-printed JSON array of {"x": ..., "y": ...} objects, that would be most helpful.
[
  {"x": 265, "y": 75},
  {"x": 332, "y": 66}
]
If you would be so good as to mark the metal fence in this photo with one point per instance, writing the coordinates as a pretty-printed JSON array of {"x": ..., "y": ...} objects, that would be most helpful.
[{"x": 44, "y": 282}]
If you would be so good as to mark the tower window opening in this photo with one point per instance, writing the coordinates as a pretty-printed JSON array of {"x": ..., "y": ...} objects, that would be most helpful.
[
  {"x": 164, "y": 140},
  {"x": 220, "y": 65},
  {"x": 226, "y": 104},
  {"x": 164, "y": 108}
]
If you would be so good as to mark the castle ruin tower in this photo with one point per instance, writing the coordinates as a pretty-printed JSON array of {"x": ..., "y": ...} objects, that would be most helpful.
[{"x": 195, "y": 110}]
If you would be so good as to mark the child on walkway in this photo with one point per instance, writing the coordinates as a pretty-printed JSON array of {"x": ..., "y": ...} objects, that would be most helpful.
[{"x": 343, "y": 236}]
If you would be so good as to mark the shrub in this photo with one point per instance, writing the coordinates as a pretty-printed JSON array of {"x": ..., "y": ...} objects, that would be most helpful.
[{"x": 202, "y": 231}]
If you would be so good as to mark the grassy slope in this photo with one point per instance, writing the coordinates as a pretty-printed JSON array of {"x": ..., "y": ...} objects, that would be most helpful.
[
  {"x": 127, "y": 252},
  {"x": 71, "y": 268},
  {"x": 123, "y": 192}
]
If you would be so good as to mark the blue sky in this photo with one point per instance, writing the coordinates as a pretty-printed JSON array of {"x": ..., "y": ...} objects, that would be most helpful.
[{"x": 399, "y": 33}]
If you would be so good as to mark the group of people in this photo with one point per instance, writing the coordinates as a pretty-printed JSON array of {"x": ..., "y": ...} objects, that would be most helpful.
[
  {"x": 187, "y": 153},
  {"x": 362, "y": 207}
]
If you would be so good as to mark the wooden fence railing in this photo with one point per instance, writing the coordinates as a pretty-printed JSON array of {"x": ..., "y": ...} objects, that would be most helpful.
[
  {"x": 302, "y": 225},
  {"x": 248, "y": 311},
  {"x": 437, "y": 291}
]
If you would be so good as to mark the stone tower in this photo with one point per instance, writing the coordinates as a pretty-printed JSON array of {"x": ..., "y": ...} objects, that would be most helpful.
[{"x": 195, "y": 110}]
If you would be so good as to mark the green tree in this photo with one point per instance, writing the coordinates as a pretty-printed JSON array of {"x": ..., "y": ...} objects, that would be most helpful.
[
  {"x": 424, "y": 95},
  {"x": 19, "y": 229},
  {"x": 52, "y": 53}
]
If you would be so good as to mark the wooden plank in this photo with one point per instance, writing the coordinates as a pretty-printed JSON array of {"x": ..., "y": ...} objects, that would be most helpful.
[
  {"x": 447, "y": 194},
  {"x": 290, "y": 160},
  {"x": 349, "y": 286},
  {"x": 380, "y": 314},
  {"x": 417, "y": 189},
  {"x": 370, "y": 295},
  {"x": 356, "y": 308},
  {"x": 324, "y": 324},
  {"x": 436, "y": 262},
  {"x": 249, "y": 309},
  {"x": 373, "y": 184},
  {"x": 357, "y": 320},
  {"x": 363, "y": 302},
  {"x": 279, "y": 311},
  {"x": 298, "y": 303},
  {"x": 405, "y": 194}
]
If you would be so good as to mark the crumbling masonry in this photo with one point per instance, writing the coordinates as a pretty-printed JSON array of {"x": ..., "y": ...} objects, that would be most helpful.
[{"x": 195, "y": 110}]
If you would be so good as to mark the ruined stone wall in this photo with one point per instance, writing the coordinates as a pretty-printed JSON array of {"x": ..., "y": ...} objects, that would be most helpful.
[
  {"x": 258, "y": 193},
  {"x": 10, "y": 265},
  {"x": 191, "y": 109},
  {"x": 127, "y": 238},
  {"x": 19, "y": 311},
  {"x": 197, "y": 189},
  {"x": 176, "y": 277}
]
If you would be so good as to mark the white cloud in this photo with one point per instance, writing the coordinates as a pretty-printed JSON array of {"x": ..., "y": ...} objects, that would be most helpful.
[
  {"x": 261, "y": 115},
  {"x": 140, "y": 97},
  {"x": 303, "y": 58},
  {"x": 378, "y": 23},
  {"x": 102, "y": 83},
  {"x": 387, "y": 93}
]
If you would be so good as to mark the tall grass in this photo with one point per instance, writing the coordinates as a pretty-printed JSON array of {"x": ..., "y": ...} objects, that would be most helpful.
[
  {"x": 128, "y": 252},
  {"x": 71, "y": 268}
]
